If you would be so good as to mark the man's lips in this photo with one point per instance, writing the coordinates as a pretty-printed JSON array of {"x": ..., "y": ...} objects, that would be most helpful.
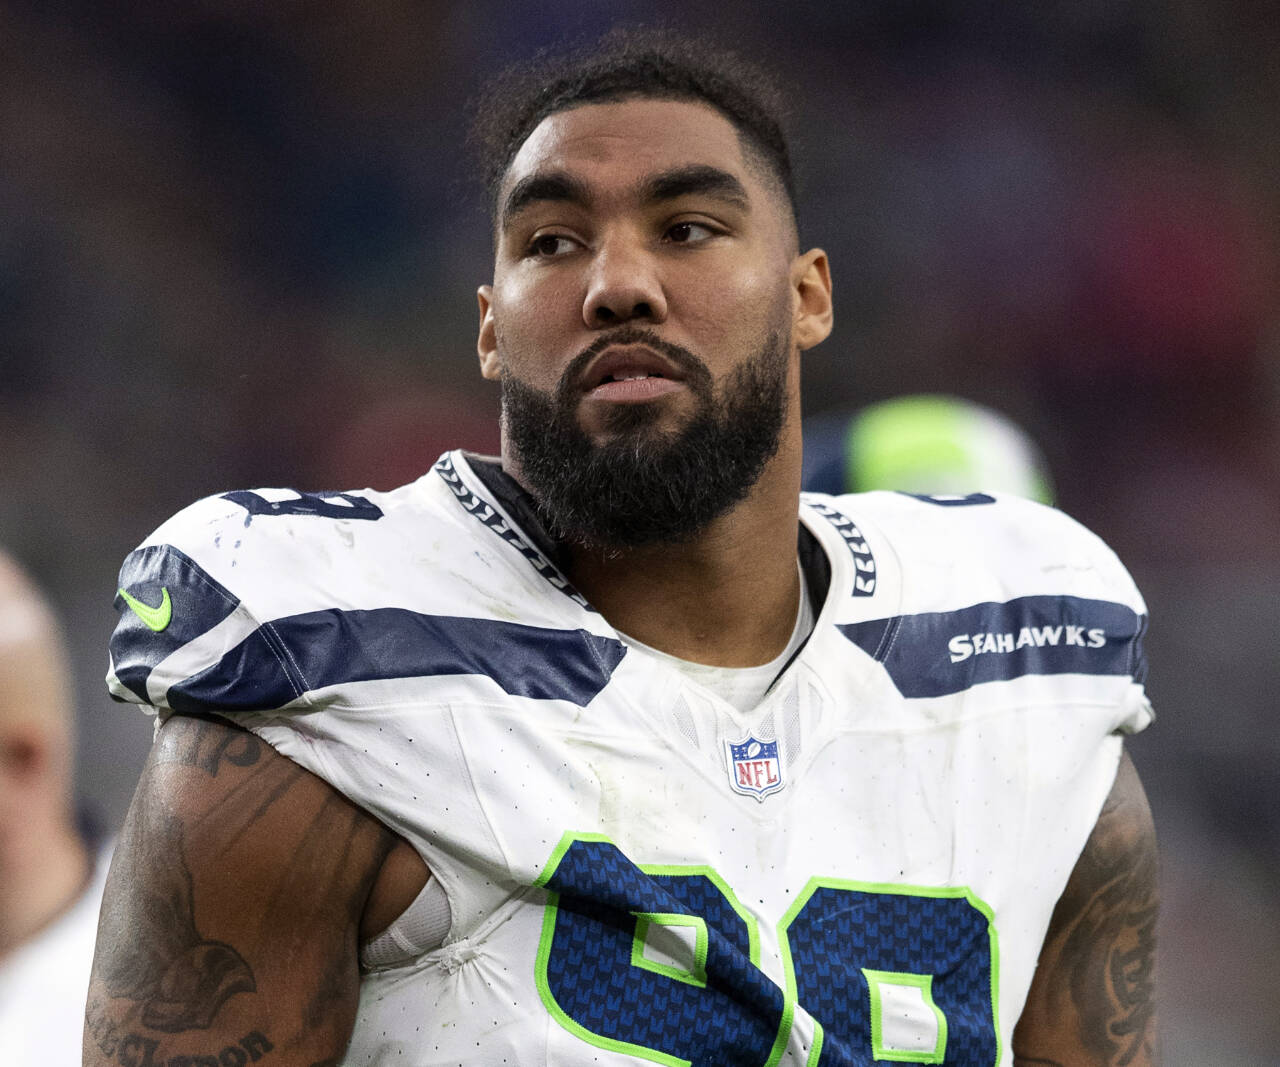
[{"x": 631, "y": 373}]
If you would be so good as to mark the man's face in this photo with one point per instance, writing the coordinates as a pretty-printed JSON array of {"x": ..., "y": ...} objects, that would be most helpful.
[{"x": 644, "y": 291}]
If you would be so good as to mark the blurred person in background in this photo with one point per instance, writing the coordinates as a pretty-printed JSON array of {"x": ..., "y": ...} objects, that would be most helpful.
[
  {"x": 607, "y": 748},
  {"x": 933, "y": 444},
  {"x": 51, "y": 873}
]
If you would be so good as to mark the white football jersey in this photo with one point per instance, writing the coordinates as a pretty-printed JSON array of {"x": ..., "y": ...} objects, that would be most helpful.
[{"x": 862, "y": 869}]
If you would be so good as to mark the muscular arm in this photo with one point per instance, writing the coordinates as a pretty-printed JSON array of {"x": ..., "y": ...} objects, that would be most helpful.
[
  {"x": 1092, "y": 1002},
  {"x": 232, "y": 911}
]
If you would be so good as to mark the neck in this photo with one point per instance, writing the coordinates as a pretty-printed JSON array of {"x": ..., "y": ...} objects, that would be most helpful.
[
  {"x": 42, "y": 875},
  {"x": 728, "y": 598}
]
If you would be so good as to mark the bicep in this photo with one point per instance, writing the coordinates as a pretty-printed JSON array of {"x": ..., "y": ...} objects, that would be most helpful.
[
  {"x": 229, "y": 922},
  {"x": 1092, "y": 1000}
]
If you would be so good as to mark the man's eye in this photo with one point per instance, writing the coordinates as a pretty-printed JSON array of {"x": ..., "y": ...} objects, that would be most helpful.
[
  {"x": 549, "y": 245},
  {"x": 689, "y": 233}
]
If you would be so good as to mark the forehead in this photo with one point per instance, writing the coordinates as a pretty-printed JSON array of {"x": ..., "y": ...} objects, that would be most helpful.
[{"x": 629, "y": 139}]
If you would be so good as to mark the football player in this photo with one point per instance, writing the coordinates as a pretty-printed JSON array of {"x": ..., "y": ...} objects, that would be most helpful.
[{"x": 610, "y": 749}]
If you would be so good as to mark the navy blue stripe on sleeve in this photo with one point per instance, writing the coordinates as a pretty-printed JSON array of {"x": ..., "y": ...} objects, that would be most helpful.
[
  {"x": 935, "y": 654},
  {"x": 326, "y": 648},
  {"x": 178, "y": 602}
]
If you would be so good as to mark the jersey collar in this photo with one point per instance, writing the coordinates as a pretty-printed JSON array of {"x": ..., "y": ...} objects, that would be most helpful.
[{"x": 522, "y": 512}]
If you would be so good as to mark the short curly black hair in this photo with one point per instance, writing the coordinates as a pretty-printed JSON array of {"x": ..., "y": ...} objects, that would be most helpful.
[{"x": 629, "y": 63}]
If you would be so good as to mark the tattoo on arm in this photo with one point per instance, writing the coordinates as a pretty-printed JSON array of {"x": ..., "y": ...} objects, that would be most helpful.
[
  {"x": 126, "y": 1046},
  {"x": 230, "y": 854},
  {"x": 1118, "y": 984},
  {"x": 210, "y": 743},
  {"x": 1100, "y": 951},
  {"x": 180, "y": 978}
]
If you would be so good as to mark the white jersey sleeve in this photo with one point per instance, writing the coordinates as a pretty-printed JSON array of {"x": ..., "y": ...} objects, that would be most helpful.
[
  {"x": 200, "y": 599},
  {"x": 993, "y": 588}
]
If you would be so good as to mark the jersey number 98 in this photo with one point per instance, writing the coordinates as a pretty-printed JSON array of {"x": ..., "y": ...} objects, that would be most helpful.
[{"x": 663, "y": 963}]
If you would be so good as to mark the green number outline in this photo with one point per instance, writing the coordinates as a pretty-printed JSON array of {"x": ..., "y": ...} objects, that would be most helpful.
[
  {"x": 612, "y": 1044},
  {"x": 814, "y": 884}
]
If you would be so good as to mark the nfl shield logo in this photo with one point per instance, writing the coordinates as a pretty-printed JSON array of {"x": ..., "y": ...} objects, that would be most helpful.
[{"x": 754, "y": 767}]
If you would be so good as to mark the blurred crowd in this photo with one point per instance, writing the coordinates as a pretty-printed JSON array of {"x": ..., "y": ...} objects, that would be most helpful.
[{"x": 239, "y": 244}]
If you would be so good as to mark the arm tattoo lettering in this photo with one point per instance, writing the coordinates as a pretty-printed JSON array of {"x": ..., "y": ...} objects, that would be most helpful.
[
  {"x": 180, "y": 978},
  {"x": 136, "y": 1050}
]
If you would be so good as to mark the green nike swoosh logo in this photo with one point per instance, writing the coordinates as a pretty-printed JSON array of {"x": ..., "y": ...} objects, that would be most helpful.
[{"x": 156, "y": 618}]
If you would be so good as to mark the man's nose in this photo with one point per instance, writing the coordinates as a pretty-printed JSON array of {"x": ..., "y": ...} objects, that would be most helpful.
[{"x": 624, "y": 285}]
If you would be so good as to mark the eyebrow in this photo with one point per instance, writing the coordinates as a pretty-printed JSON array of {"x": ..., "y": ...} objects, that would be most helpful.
[
  {"x": 556, "y": 186},
  {"x": 696, "y": 178},
  {"x": 561, "y": 187}
]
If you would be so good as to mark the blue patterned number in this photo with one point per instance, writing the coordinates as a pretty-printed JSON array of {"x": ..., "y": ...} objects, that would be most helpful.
[
  {"x": 905, "y": 973},
  {"x": 891, "y": 974},
  {"x": 326, "y": 505},
  {"x": 594, "y": 977},
  {"x": 954, "y": 501}
]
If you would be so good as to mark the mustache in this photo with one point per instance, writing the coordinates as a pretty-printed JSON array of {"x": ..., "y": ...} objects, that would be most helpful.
[{"x": 697, "y": 376}]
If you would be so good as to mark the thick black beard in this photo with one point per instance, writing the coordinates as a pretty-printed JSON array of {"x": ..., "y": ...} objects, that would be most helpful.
[{"x": 646, "y": 486}]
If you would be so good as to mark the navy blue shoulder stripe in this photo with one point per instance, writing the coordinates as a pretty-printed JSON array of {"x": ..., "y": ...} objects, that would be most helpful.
[
  {"x": 156, "y": 576},
  {"x": 290, "y": 656},
  {"x": 935, "y": 654}
]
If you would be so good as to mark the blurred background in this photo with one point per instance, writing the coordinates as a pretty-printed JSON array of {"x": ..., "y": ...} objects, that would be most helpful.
[{"x": 239, "y": 245}]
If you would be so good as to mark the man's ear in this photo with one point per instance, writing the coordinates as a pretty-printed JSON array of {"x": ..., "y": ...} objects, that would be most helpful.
[
  {"x": 811, "y": 285},
  {"x": 487, "y": 338}
]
